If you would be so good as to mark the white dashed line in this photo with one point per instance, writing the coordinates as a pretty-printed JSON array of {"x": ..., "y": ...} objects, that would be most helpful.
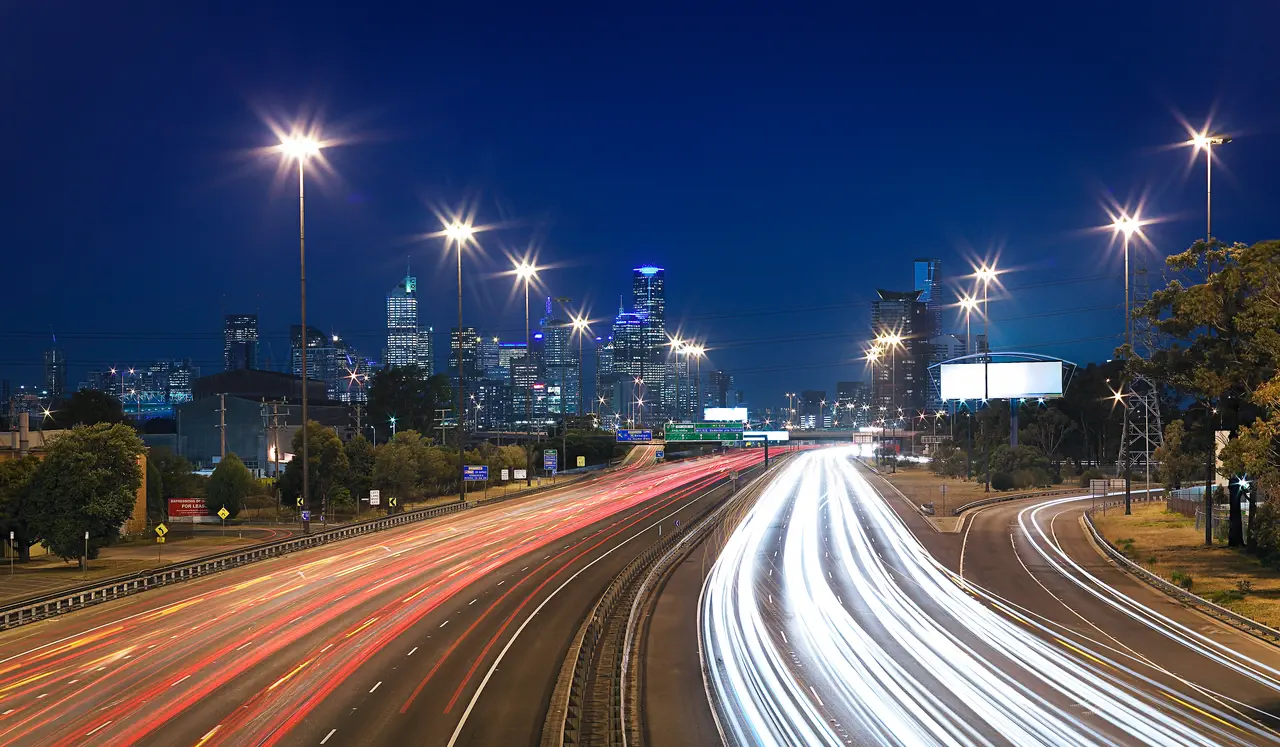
[
  {"x": 522, "y": 570},
  {"x": 326, "y": 648},
  {"x": 446, "y": 622},
  {"x": 415, "y": 648},
  {"x": 375, "y": 687},
  {"x": 815, "y": 695},
  {"x": 473, "y": 601},
  {"x": 179, "y": 682},
  {"x": 326, "y": 736},
  {"x": 42, "y": 695},
  {"x": 103, "y": 726},
  {"x": 503, "y": 581}
]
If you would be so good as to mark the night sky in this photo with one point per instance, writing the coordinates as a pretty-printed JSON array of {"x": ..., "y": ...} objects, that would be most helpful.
[{"x": 781, "y": 167}]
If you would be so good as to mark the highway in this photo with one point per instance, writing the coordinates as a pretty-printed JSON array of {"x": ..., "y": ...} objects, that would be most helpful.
[
  {"x": 826, "y": 622},
  {"x": 448, "y": 631}
]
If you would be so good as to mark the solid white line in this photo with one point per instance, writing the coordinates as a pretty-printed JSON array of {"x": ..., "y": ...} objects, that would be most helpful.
[
  {"x": 326, "y": 736},
  {"x": 503, "y": 581},
  {"x": 415, "y": 648},
  {"x": 179, "y": 682},
  {"x": 815, "y": 695},
  {"x": 326, "y": 648},
  {"x": 524, "y": 569},
  {"x": 6, "y": 713},
  {"x": 462, "y": 722},
  {"x": 103, "y": 726},
  {"x": 250, "y": 643},
  {"x": 783, "y": 633},
  {"x": 375, "y": 687},
  {"x": 42, "y": 695}
]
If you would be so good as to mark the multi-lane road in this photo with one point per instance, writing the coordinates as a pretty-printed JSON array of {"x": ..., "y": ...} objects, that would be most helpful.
[
  {"x": 826, "y": 621},
  {"x": 448, "y": 631}
]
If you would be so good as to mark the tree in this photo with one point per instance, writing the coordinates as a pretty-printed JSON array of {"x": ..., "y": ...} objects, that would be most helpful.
[
  {"x": 87, "y": 407},
  {"x": 230, "y": 483},
  {"x": 155, "y": 492},
  {"x": 1046, "y": 429},
  {"x": 408, "y": 394},
  {"x": 176, "y": 477},
  {"x": 1178, "y": 464},
  {"x": 1223, "y": 326},
  {"x": 360, "y": 458},
  {"x": 15, "y": 503},
  {"x": 328, "y": 463},
  {"x": 399, "y": 465},
  {"x": 88, "y": 482}
]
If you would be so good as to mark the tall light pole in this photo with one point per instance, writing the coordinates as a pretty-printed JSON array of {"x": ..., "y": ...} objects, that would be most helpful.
[
  {"x": 1126, "y": 225},
  {"x": 526, "y": 271},
  {"x": 893, "y": 342},
  {"x": 986, "y": 274},
  {"x": 677, "y": 346},
  {"x": 581, "y": 328},
  {"x": 459, "y": 233},
  {"x": 968, "y": 303},
  {"x": 300, "y": 148},
  {"x": 1205, "y": 141},
  {"x": 698, "y": 351}
]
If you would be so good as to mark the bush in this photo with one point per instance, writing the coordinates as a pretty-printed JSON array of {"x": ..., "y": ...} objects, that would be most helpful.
[
  {"x": 1090, "y": 474},
  {"x": 1226, "y": 596},
  {"x": 1181, "y": 580},
  {"x": 1244, "y": 586},
  {"x": 1001, "y": 481}
]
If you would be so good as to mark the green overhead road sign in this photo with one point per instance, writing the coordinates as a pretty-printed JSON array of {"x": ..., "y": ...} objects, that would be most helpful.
[{"x": 704, "y": 432}]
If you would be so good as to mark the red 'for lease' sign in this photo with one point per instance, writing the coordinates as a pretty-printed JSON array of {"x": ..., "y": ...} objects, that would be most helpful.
[{"x": 187, "y": 507}]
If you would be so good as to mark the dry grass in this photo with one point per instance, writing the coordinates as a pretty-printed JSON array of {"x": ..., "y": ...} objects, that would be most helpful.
[
  {"x": 922, "y": 486},
  {"x": 1165, "y": 543}
]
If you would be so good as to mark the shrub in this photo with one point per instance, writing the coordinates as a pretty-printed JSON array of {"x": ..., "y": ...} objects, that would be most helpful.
[
  {"x": 1181, "y": 579},
  {"x": 1090, "y": 474},
  {"x": 1002, "y": 481},
  {"x": 1226, "y": 596},
  {"x": 1152, "y": 560},
  {"x": 1244, "y": 586}
]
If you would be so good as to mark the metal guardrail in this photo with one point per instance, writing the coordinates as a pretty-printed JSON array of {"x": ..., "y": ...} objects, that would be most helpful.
[
  {"x": 58, "y": 602},
  {"x": 564, "y": 724},
  {"x": 66, "y": 600},
  {"x": 1012, "y": 497},
  {"x": 1204, "y": 605}
]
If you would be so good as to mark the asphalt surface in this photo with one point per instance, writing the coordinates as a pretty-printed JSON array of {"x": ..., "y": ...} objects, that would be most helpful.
[
  {"x": 444, "y": 632},
  {"x": 826, "y": 622}
]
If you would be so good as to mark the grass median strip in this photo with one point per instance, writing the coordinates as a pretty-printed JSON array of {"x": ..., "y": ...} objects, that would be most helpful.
[{"x": 1169, "y": 545}]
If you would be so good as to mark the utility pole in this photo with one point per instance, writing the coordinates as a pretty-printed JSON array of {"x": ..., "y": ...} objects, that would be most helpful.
[{"x": 222, "y": 422}]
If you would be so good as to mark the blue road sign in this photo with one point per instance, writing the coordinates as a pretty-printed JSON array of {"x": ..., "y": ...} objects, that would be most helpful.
[
  {"x": 633, "y": 436},
  {"x": 550, "y": 459},
  {"x": 475, "y": 473},
  {"x": 660, "y": 453},
  {"x": 306, "y": 516}
]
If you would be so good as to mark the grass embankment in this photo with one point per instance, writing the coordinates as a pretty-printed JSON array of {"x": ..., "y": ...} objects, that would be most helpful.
[
  {"x": 922, "y": 486},
  {"x": 1169, "y": 545}
]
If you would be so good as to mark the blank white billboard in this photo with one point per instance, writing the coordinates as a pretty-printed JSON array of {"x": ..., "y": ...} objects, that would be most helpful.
[
  {"x": 1001, "y": 380},
  {"x": 766, "y": 436},
  {"x": 725, "y": 414}
]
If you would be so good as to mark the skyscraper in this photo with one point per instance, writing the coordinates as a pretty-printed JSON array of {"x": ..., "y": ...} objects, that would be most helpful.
[
  {"x": 470, "y": 362},
  {"x": 427, "y": 350},
  {"x": 560, "y": 366},
  {"x": 901, "y": 376},
  {"x": 55, "y": 372},
  {"x": 402, "y": 324},
  {"x": 648, "y": 292},
  {"x": 487, "y": 359},
  {"x": 719, "y": 383},
  {"x": 240, "y": 341},
  {"x": 928, "y": 280}
]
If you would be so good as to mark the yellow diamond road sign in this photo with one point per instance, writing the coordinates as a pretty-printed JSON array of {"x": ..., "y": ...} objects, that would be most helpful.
[
  {"x": 162, "y": 530},
  {"x": 223, "y": 513}
]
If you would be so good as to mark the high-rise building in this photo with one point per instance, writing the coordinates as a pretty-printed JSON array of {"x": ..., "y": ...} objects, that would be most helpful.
[
  {"x": 648, "y": 292},
  {"x": 901, "y": 375},
  {"x": 853, "y": 400},
  {"x": 403, "y": 336},
  {"x": 943, "y": 347},
  {"x": 559, "y": 366},
  {"x": 55, "y": 372},
  {"x": 719, "y": 383},
  {"x": 181, "y": 373},
  {"x": 331, "y": 360},
  {"x": 508, "y": 351},
  {"x": 470, "y": 360},
  {"x": 427, "y": 350},
  {"x": 240, "y": 341},
  {"x": 487, "y": 359},
  {"x": 928, "y": 280},
  {"x": 526, "y": 401}
]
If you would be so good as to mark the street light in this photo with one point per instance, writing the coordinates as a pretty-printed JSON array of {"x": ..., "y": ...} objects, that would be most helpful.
[
  {"x": 581, "y": 328},
  {"x": 300, "y": 148},
  {"x": 697, "y": 351},
  {"x": 1206, "y": 141},
  {"x": 677, "y": 346},
  {"x": 526, "y": 271},
  {"x": 968, "y": 303},
  {"x": 393, "y": 428},
  {"x": 1127, "y": 225},
  {"x": 460, "y": 233}
]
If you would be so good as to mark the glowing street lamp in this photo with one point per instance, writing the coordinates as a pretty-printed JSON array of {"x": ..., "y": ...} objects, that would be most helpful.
[
  {"x": 581, "y": 328},
  {"x": 393, "y": 427},
  {"x": 300, "y": 148},
  {"x": 460, "y": 233},
  {"x": 525, "y": 271},
  {"x": 1203, "y": 140},
  {"x": 968, "y": 303}
]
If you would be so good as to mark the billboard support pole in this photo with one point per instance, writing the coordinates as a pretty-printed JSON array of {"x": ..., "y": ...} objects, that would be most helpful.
[{"x": 1013, "y": 421}]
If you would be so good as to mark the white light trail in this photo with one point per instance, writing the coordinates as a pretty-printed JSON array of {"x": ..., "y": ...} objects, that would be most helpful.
[{"x": 873, "y": 635}]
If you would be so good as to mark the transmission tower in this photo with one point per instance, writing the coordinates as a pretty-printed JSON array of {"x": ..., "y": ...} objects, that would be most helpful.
[{"x": 1146, "y": 431}]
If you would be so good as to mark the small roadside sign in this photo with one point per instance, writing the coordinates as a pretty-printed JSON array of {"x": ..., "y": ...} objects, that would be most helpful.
[
  {"x": 299, "y": 501},
  {"x": 223, "y": 513},
  {"x": 306, "y": 516},
  {"x": 375, "y": 497},
  {"x": 550, "y": 459},
  {"x": 393, "y": 501},
  {"x": 660, "y": 454},
  {"x": 522, "y": 474},
  {"x": 931, "y": 440},
  {"x": 160, "y": 540},
  {"x": 582, "y": 461},
  {"x": 161, "y": 530},
  {"x": 506, "y": 475}
]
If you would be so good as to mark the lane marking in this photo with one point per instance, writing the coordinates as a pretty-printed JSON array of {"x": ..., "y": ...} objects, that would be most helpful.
[
  {"x": 103, "y": 726},
  {"x": 815, "y": 695},
  {"x": 179, "y": 682},
  {"x": 326, "y": 736},
  {"x": 446, "y": 622},
  {"x": 473, "y": 601},
  {"x": 375, "y": 687},
  {"x": 415, "y": 648}
]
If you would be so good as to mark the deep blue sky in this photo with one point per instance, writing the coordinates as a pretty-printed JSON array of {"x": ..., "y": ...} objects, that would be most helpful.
[{"x": 782, "y": 165}]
